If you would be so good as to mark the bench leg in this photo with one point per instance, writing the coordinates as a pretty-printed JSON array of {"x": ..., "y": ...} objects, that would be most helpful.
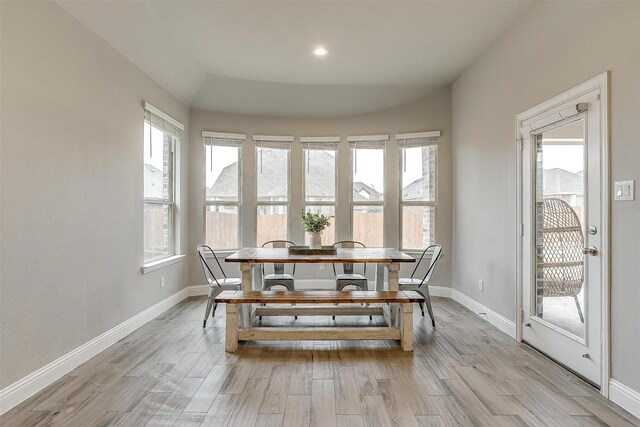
[
  {"x": 231, "y": 337},
  {"x": 394, "y": 309},
  {"x": 406, "y": 334}
]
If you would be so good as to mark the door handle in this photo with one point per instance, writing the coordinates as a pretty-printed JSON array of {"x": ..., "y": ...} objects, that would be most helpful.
[{"x": 591, "y": 250}]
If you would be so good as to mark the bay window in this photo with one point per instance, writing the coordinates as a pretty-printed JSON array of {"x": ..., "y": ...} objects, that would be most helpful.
[
  {"x": 223, "y": 173},
  {"x": 161, "y": 137},
  {"x": 272, "y": 187},
  {"x": 367, "y": 195},
  {"x": 320, "y": 161},
  {"x": 418, "y": 168}
]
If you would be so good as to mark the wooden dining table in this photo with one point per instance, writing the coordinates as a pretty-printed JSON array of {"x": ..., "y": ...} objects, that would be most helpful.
[{"x": 388, "y": 259}]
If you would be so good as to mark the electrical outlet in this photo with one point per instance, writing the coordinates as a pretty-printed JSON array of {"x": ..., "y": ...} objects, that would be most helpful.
[
  {"x": 481, "y": 285},
  {"x": 162, "y": 282}
]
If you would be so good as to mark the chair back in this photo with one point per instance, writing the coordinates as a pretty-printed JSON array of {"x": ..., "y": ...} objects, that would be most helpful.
[
  {"x": 435, "y": 256},
  {"x": 560, "y": 259},
  {"x": 278, "y": 268},
  {"x": 203, "y": 251},
  {"x": 348, "y": 267}
]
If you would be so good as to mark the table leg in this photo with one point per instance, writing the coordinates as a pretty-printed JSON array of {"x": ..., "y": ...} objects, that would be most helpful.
[
  {"x": 406, "y": 331},
  {"x": 247, "y": 285},
  {"x": 393, "y": 268},
  {"x": 380, "y": 277},
  {"x": 231, "y": 334}
]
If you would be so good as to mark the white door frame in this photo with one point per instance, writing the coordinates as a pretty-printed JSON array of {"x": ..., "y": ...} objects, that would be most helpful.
[{"x": 599, "y": 82}]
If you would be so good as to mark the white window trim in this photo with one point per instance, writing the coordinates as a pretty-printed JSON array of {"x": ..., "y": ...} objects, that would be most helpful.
[
  {"x": 432, "y": 137},
  {"x": 173, "y": 242},
  {"x": 285, "y": 140},
  {"x": 238, "y": 203},
  {"x": 161, "y": 263},
  {"x": 310, "y": 203},
  {"x": 164, "y": 116},
  {"x": 353, "y": 140}
]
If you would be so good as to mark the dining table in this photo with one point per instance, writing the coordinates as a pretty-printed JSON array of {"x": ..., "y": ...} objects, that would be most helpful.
[{"x": 385, "y": 259}]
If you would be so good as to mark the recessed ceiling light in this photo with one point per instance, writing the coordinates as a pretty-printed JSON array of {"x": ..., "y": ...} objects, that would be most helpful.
[{"x": 320, "y": 51}]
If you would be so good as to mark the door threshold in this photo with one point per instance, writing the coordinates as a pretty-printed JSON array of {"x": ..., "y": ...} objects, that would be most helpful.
[{"x": 586, "y": 380}]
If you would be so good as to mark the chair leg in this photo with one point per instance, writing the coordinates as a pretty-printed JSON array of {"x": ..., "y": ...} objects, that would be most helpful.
[
  {"x": 291, "y": 287},
  {"x": 575, "y": 297},
  {"x": 422, "y": 308},
  {"x": 427, "y": 300},
  {"x": 215, "y": 305},
  {"x": 207, "y": 310}
]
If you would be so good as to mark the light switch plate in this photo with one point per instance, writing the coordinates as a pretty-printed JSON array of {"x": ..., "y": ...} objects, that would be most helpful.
[{"x": 623, "y": 190}]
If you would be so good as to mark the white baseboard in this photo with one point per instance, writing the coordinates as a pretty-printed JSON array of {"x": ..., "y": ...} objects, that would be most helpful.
[
  {"x": 440, "y": 291},
  {"x": 22, "y": 389},
  {"x": 497, "y": 320},
  {"x": 625, "y": 396},
  {"x": 198, "y": 290}
]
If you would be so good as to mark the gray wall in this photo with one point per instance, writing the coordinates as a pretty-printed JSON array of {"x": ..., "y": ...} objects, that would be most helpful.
[
  {"x": 552, "y": 48},
  {"x": 430, "y": 113},
  {"x": 71, "y": 200}
]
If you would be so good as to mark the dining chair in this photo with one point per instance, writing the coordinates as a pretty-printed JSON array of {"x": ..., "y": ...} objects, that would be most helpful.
[
  {"x": 421, "y": 286},
  {"x": 279, "y": 277},
  {"x": 215, "y": 285},
  {"x": 349, "y": 277}
]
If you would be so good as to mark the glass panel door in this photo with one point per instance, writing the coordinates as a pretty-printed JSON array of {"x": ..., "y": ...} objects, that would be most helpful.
[{"x": 559, "y": 227}]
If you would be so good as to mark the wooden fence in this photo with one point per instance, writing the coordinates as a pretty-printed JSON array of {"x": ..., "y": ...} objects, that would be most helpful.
[{"x": 222, "y": 229}]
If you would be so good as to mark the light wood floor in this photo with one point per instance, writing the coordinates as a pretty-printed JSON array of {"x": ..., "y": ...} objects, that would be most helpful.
[{"x": 173, "y": 372}]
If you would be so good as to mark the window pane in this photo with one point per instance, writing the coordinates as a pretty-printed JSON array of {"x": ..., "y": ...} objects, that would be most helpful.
[
  {"x": 418, "y": 226},
  {"x": 329, "y": 233},
  {"x": 320, "y": 175},
  {"x": 368, "y": 174},
  {"x": 157, "y": 220},
  {"x": 157, "y": 157},
  {"x": 272, "y": 166},
  {"x": 221, "y": 227},
  {"x": 419, "y": 173},
  {"x": 271, "y": 224},
  {"x": 222, "y": 172},
  {"x": 367, "y": 225}
]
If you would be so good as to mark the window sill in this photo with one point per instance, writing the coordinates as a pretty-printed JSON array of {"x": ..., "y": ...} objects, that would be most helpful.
[{"x": 161, "y": 263}]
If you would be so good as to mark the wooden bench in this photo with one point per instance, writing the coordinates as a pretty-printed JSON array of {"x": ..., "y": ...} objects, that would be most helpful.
[{"x": 403, "y": 332}]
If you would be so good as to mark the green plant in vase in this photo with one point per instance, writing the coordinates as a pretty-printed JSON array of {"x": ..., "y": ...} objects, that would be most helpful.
[{"x": 314, "y": 225}]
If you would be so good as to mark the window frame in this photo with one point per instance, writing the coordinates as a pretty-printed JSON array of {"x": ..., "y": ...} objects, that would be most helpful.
[
  {"x": 238, "y": 203},
  {"x": 332, "y": 145},
  {"x": 278, "y": 143},
  {"x": 431, "y": 140},
  {"x": 364, "y": 140},
  {"x": 173, "y": 130}
]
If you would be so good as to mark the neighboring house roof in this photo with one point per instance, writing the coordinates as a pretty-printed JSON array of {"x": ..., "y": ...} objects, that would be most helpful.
[
  {"x": 363, "y": 192},
  {"x": 560, "y": 181},
  {"x": 153, "y": 182},
  {"x": 273, "y": 184},
  {"x": 413, "y": 191},
  {"x": 226, "y": 185}
]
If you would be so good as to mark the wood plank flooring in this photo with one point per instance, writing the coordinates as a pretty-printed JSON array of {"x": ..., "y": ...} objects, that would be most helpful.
[{"x": 172, "y": 372}]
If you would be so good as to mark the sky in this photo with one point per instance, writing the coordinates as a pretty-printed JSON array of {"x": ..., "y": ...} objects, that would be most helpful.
[
  {"x": 156, "y": 150},
  {"x": 567, "y": 157},
  {"x": 369, "y": 164},
  {"x": 223, "y": 157}
]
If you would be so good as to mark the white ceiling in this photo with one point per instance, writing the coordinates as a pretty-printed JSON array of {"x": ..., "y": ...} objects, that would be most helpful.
[{"x": 255, "y": 57}]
